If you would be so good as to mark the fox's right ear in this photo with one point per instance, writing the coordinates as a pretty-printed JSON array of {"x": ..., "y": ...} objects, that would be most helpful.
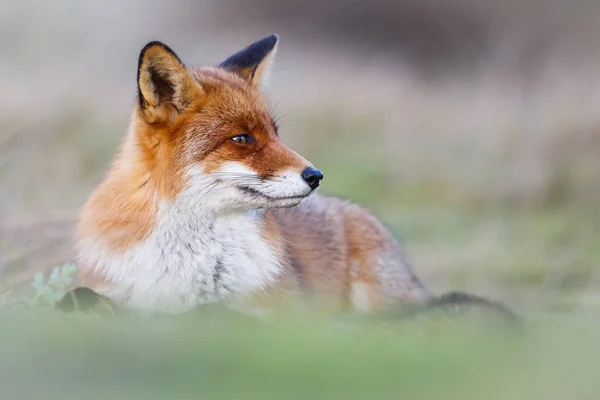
[
  {"x": 254, "y": 62},
  {"x": 165, "y": 86}
]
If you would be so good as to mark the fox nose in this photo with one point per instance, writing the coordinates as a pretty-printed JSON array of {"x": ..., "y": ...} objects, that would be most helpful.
[{"x": 313, "y": 177}]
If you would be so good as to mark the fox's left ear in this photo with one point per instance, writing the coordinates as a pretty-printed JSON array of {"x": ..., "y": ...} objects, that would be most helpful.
[
  {"x": 165, "y": 87},
  {"x": 254, "y": 62}
]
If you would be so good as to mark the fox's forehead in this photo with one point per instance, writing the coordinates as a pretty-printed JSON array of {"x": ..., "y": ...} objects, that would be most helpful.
[
  {"x": 214, "y": 78},
  {"x": 231, "y": 95}
]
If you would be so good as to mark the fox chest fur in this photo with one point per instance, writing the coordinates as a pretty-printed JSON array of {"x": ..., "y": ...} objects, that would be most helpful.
[{"x": 190, "y": 260}]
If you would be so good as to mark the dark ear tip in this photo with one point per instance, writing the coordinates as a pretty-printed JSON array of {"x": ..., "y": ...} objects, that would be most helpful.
[
  {"x": 252, "y": 55},
  {"x": 270, "y": 41},
  {"x": 152, "y": 44}
]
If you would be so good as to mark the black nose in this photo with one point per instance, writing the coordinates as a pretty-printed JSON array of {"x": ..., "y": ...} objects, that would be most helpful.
[{"x": 313, "y": 177}]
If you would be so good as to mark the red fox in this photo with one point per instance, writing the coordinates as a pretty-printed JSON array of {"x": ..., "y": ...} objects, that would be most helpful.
[{"x": 205, "y": 204}]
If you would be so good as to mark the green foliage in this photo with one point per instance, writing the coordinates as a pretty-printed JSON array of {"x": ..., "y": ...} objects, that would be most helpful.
[{"x": 51, "y": 290}]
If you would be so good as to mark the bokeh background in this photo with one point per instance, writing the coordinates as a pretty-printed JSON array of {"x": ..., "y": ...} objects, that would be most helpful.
[{"x": 472, "y": 127}]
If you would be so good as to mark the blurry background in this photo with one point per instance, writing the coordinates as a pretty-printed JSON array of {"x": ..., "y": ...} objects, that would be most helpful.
[{"x": 471, "y": 127}]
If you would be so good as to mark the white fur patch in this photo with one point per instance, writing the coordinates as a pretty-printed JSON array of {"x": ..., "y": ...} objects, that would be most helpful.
[
  {"x": 360, "y": 297},
  {"x": 284, "y": 184},
  {"x": 202, "y": 250}
]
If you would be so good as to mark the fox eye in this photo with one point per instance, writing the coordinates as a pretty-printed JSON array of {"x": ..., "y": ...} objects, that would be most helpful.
[{"x": 243, "y": 139}]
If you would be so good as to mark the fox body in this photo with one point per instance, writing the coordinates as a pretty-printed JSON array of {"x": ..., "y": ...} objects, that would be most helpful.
[{"x": 204, "y": 204}]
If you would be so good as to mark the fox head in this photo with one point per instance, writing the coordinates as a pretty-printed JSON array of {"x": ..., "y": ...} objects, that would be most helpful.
[{"x": 207, "y": 133}]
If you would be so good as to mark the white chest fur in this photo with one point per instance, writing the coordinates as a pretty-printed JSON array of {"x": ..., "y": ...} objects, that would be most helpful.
[{"x": 190, "y": 259}]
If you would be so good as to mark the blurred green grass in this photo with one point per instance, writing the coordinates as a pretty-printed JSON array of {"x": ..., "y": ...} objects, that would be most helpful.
[{"x": 45, "y": 355}]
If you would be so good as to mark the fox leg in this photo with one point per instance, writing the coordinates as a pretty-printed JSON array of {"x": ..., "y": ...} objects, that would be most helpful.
[{"x": 379, "y": 277}]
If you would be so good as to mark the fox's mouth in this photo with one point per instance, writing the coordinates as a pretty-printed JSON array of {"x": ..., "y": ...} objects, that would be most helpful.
[{"x": 257, "y": 193}]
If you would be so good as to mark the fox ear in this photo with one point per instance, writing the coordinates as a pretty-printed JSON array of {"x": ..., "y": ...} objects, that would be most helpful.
[
  {"x": 164, "y": 84},
  {"x": 254, "y": 62}
]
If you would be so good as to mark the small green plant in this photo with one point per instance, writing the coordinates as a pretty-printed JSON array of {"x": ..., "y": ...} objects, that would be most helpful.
[{"x": 50, "y": 291}]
